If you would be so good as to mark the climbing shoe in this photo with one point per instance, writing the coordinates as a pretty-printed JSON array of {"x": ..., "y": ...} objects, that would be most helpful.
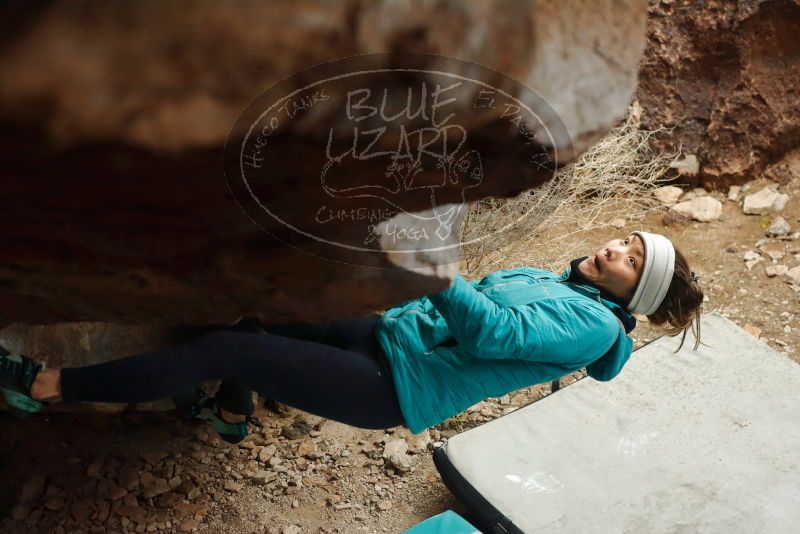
[
  {"x": 208, "y": 410},
  {"x": 195, "y": 404},
  {"x": 17, "y": 373}
]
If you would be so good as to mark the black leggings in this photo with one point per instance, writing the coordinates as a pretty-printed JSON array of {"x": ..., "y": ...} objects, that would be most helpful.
[{"x": 335, "y": 370}]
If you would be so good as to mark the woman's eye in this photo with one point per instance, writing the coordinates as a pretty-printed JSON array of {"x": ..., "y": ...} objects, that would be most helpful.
[
  {"x": 632, "y": 261},
  {"x": 625, "y": 241}
]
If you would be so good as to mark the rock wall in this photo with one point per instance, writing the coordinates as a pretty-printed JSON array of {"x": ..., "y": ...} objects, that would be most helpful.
[
  {"x": 724, "y": 76},
  {"x": 114, "y": 117}
]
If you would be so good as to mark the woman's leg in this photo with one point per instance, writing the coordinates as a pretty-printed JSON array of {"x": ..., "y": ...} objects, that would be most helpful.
[
  {"x": 349, "y": 334},
  {"x": 345, "y": 385}
]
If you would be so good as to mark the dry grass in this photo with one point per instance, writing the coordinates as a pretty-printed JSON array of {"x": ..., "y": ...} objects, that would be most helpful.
[{"x": 609, "y": 187}]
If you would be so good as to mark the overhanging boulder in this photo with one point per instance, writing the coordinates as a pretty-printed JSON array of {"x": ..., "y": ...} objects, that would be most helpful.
[{"x": 114, "y": 118}]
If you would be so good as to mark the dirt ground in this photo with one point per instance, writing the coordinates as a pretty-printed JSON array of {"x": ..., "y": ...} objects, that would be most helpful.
[{"x": 82, "y": 472}]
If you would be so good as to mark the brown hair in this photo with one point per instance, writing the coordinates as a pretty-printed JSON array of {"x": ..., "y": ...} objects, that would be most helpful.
[{"x": 682, "y": 305}]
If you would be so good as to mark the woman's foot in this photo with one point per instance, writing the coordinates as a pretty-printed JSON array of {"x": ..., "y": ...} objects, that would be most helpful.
[
  {"x": 197, "y": 405},
  {"x": 17, "y": 374},
  {"x": 209, "y": 411}
]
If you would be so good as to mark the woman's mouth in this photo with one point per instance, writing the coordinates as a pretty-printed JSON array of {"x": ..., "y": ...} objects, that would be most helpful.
[{"x": 596, "y": 262}]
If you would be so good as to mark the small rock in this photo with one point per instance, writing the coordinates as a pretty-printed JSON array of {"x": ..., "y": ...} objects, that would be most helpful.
[
  {"x": 189, "y": 525},
  {"x": 752, "y": 263},
  {"x": 688, "y": 166},
  {"x": 291, "y": 529},
  {"x": 35, "y": 516},
  {"x": 263, "y": 477},
  {"x": 395, "y": 452},
  {"x": 668, "y": 195},
  {"x": 170, "y": 500},
  {"x": 779, "y": 227},
  {"x": 230, "y": 485},
  {"x": 103, "y": 510},
  {"x": 306, "y": 447},
  {"x": 190, "y": 490},
  {"x": 80, "y": 511},
  {"x": 384, "y": 505},
  {"x": 130, "y": 500},
  {"x": 419, "y": 442},
  {"x": 751, "y": 255},
  {"x": 776, "y": 270},
  {"x": 147, "y": 478},
  {"x": 752, "y": 330},
  {"x": 32, "y": 489},
  {"x": 295, "y": 504},
  {"x": 314, "y": 480},
  {"x": 618, "y": 223},
  {"x": 793, "y": 275},
  {"x": 775, "y": 251},
  {"x": 128, "y": 479},
  {"x": 95, "y": 468},
  {"x": 297, "y": 430},
  {"x": 134, "y": 512},
  {"x": 20, "y": 512},
  {"x": 765, "y": 201},
  {"x": 186, "y": 509},
  {"x": 266, "y": 453},
  {"x": 115, "y": 492},
  {"x": 733, "y": 193},
  {"x": 54, "y": 503},
  {"x": 156, "y": 488},
  {"x": 703, "y": 209}
]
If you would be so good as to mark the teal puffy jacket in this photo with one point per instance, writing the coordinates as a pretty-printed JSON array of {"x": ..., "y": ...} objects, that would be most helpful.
[{"x": 514, "y": 328}]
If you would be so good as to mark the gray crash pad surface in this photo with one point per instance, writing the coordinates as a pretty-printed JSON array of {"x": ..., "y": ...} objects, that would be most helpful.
[{"x": 694, "y": 441}]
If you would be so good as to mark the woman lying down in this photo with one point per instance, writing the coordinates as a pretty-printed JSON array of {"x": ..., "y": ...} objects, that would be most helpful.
[{"x": 418, "y": 363}]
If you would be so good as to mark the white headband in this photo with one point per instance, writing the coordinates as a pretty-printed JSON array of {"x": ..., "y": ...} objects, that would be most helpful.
[{"x": 659, "y": 265}]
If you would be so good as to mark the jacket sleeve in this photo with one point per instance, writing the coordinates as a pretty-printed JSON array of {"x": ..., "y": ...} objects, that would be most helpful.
[
  {"x": 606, "y": 368},
  {"x": 547, "y": 330}
]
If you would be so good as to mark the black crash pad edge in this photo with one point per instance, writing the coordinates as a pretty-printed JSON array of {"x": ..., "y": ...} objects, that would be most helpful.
[{"x": 485, "y": 516}]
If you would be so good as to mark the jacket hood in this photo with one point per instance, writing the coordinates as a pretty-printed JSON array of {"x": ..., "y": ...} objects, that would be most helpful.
[{"x": 610, "y": 364}]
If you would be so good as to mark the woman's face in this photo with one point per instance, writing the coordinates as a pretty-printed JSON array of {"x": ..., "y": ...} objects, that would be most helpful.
[{"x": 616, "y": 266}]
